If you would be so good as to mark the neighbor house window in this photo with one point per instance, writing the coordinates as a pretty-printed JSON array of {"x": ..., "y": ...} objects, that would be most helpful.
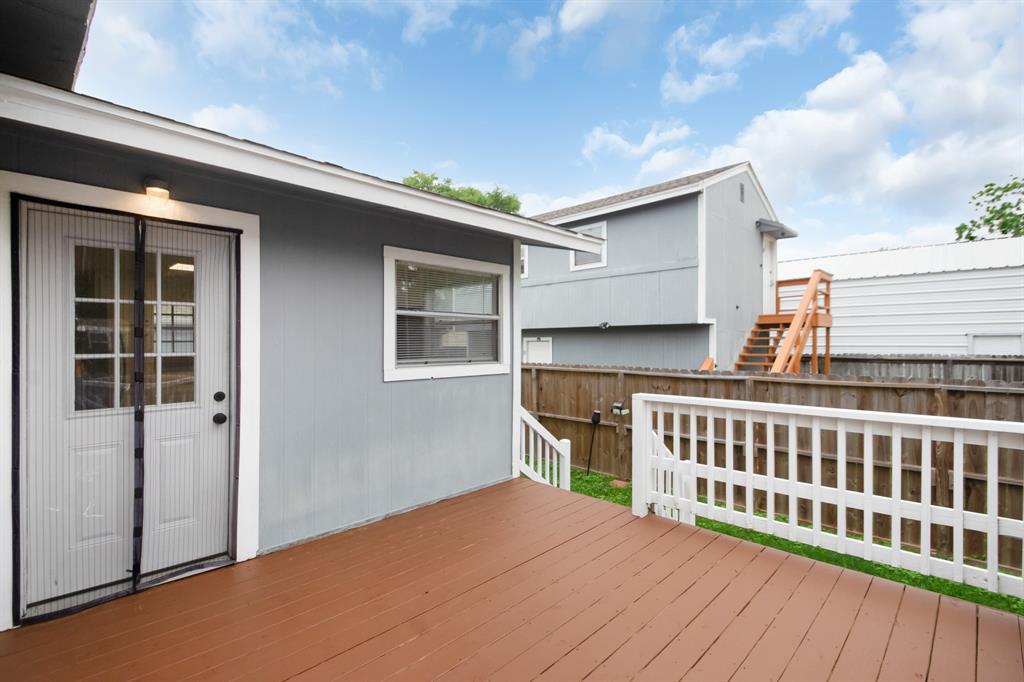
[
  {"x": 581, "y": 260},
  {"x": 443, "y": 316}
]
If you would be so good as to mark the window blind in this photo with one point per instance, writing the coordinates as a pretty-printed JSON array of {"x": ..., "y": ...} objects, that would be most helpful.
[{"x": 445, "y": 316}]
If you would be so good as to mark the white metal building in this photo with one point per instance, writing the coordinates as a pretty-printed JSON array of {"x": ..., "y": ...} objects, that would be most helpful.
[{"x": 961, "y": 298}]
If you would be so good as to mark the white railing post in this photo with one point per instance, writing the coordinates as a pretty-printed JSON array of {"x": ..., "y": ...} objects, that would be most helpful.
[
  {"x": 641, "y": 425},
  {"x": 564, "y": 463}
]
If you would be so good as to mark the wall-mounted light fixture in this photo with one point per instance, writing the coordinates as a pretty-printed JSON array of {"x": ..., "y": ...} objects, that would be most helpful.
[{"x": 157, "y": 188}]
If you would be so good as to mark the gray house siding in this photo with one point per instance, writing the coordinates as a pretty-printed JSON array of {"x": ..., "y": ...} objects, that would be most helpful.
[
  {"x": 650, "y": 277},
  {"x": 338, "y": 445},
  {"x": 666, "y": 346},
  {"x": 734, "y": 263}
]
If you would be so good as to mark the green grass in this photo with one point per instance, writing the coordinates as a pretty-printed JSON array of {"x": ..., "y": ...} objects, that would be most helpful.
[{"x": 600, "y": 486}]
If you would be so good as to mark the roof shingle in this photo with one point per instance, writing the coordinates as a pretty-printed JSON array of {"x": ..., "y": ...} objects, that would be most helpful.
[{"x": 611, "y": 201}]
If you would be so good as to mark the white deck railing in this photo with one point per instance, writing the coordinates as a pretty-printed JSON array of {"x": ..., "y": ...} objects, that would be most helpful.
[
  {"x": 542, "y": 457},
  {"x": 778, "y": 468}
]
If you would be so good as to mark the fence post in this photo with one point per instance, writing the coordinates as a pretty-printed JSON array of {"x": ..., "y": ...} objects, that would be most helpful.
[
  {"x": 641, "y": 425},
  {"x": 564, "y": 462}
]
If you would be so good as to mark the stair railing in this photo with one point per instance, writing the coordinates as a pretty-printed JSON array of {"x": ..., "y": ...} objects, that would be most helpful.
[
  {"x": 542, "y": 457},
  {"x": 817, "y": 299}
]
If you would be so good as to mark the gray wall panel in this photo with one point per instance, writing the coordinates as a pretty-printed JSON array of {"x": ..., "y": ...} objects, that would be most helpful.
[
  {"x": 652, "y": 259},
  {"x": 734, "y": 250},
  {"x": 338, "y": 445},
  {"x": 666, "y": 347}
]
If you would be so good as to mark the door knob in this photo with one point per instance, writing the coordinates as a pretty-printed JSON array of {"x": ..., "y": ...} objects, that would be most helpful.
[
  {"x": 219, "y": 396},
  {"x": 220, "y": 418}
]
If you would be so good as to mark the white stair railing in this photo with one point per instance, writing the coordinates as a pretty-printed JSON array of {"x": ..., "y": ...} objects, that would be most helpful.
[
  {"x": 542, "y": 457},
  {"x": 778, "y": 469}
]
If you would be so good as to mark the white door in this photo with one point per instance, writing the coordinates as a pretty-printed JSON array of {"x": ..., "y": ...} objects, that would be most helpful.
[{"x": 79, "y": 496}]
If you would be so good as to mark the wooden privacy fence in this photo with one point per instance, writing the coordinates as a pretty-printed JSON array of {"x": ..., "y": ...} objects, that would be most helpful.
[
  {"x": 563, "y": 398},
  {"x": 737, "y": 461}
]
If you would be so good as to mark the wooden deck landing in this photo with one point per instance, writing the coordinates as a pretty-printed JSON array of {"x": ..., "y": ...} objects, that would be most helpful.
[{"x": 522, "y": 581}]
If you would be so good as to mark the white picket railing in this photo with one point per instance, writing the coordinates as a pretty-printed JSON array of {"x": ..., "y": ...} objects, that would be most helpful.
[
  {"x": 762, "y": 474},
  {"x": 542, "y": 457}
]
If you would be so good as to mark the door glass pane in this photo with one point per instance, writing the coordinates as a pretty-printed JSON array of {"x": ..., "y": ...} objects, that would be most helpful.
[
  {"x": 127, "y": 381},
  {"x": 94, "y": 383},
  {"x": 94, "y": 272},
  {"x": 127, "y": 287},
  {"x": 177, "y": 380},
  {"x": 148, "y": 328},
  {"x": 178, "y": 278},
  {"x": 177, "y": 328},
  {"x": 94, "y": 328}
]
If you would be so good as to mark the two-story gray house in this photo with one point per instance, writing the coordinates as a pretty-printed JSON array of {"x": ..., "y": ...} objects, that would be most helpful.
[{"x": 687, "y": 267}]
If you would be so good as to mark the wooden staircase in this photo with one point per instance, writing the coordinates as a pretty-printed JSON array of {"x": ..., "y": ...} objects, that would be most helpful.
[{"x": 777, "y": 341}]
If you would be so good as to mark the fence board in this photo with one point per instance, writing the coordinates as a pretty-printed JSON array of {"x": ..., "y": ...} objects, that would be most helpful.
[{"x": 563, "y": 397}]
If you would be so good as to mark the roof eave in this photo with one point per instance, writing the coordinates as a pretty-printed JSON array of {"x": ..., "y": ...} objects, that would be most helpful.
[{"x": 35, "y": 104}]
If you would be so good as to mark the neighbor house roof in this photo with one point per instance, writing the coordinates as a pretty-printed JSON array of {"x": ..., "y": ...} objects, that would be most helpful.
[
  {"x": 1004, "y": 252},
  {"x": 648, "y": 194},
  {"x": 48, "y": 107}
]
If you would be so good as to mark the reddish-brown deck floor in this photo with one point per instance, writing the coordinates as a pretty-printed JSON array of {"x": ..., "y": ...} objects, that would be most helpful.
[{"x": 521, "y": 581}]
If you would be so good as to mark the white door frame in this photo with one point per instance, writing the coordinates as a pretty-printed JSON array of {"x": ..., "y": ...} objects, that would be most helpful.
[
  {"x": 247, "y": 502},
  {"x": 769, "y": 272}
]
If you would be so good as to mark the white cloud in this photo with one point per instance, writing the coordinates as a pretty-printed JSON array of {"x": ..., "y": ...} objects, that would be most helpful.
[
  {"x": 577, "y": 15},
  {"x": 890, "y": 150},
  {"x": 273, "y": 38},
  {"x": 676, "y": 89},
  {"x": 235, "y": 119},
  {"x": 121, "y": 48},
  {"x": 720, "y": 59},
  {"x": 602, "y": 139},
  {"x": 528, "y": 47},
  {"x": 427, "y": 16},
  {"x": 848, "y": 43}
]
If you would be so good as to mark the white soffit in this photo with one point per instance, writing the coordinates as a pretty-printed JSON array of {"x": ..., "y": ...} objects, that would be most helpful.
[{"x": 40, "y": 105}]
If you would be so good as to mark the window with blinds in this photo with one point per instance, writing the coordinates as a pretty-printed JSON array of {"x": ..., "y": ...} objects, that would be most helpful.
[{"x": 445, "y": 316}]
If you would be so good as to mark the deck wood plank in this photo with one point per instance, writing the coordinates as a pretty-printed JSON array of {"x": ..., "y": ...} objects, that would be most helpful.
[
  {"x": 530, "y": 629},
  {"x": 396, "y": 534},
  {"x": 588, "y": 655},
  {"x": 260, "y": 626},
  {"x": 726, "y": 655},
  {"x": 317, "y": 634},
  {"x": 818, "y": 652},
  {"x": 523, "y": 581},
  {"x": 772, "y": 652},
  {"x": 865, "y": 648},
  {"x": 954, "y": 649},
  {"x": 676, "y": 657},
  {"x": 999, "y": 650},
  {"x": 417, "y": 637}
]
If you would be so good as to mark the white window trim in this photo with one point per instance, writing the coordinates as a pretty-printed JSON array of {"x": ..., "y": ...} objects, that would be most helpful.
[
  {"x": 524, "y": 254},
  {"x": 392, "y": 370},
  {"x": 604, "y": 248}
]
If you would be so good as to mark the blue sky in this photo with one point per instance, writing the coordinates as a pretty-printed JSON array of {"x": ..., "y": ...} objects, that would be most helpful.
[{"x": 870, "y": 124}]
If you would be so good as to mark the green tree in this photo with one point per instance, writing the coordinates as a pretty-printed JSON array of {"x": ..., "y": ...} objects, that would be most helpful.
[
  {"x": 497, "y": 198},
  {"x": 1002, "y": 208}
]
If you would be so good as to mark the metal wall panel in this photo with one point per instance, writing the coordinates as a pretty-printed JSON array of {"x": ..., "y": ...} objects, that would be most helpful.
[{"x": 929, "y": 313}]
